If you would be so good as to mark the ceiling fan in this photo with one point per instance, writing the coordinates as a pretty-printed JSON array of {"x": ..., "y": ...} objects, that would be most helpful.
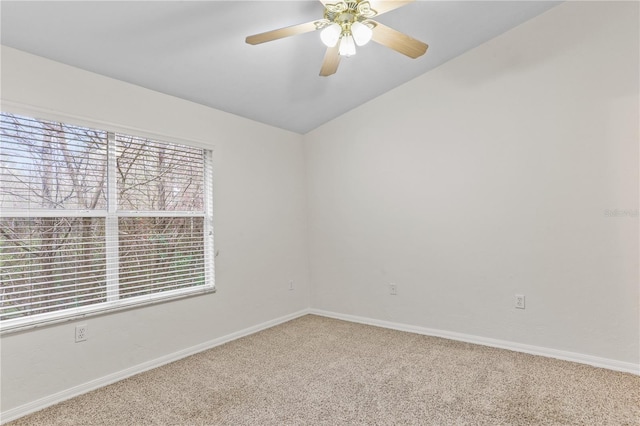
[{"x": 347, "y": 24}]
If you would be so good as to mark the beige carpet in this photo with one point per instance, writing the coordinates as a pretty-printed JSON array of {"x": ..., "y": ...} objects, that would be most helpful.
[{"x": 320, "y": 371}]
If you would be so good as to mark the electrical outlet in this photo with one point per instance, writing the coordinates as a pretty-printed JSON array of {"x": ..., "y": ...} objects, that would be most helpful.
[
  {"x": 81, "y": 333},
  {"x": 393, "y": 289},
  {"x": 520, "y": 301},
  {"x": 291, "y": 287}
]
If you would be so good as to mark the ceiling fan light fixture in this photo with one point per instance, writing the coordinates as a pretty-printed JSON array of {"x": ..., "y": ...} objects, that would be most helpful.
[
  {"x": 347, "y": 46},
  {"x": 361, "y": 33},
  {"x": 331, "y": 34}
]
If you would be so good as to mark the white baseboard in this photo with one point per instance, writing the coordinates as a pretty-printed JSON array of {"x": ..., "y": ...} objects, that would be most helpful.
[
  {"x": 47, "y": 401},
  {"x": 41, "y": 403},
  {"x": 611, "y": 364}
]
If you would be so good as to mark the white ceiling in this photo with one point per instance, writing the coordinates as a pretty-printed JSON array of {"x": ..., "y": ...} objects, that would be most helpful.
[{"x": 195, "y": 49}]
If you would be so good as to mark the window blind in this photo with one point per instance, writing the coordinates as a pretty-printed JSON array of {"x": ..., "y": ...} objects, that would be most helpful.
[
  {"x": 48, "y": 165},
  {"x": 92, "y": 220}
]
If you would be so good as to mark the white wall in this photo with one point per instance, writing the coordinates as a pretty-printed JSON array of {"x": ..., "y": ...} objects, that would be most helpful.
[
  {"x": 488, "y": 177},
  {"x": 260, "y": 232}
]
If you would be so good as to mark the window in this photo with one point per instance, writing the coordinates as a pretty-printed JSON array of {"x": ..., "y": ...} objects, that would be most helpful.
[{"x": 92, "y": 220}]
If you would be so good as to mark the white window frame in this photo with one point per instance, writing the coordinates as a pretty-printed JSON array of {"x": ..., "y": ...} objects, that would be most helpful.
[{"x": 111, "y": 215}]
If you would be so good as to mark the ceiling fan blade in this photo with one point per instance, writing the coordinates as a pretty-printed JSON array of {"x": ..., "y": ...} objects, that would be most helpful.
[
  {"x": 331, "y": 61},
  {"x": 398, "y": 41},
  {"x": 384, "y": 6},
  {"x": 282, "y": 33}
]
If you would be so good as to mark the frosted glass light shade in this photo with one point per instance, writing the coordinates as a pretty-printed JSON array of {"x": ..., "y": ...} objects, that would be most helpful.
[
  {"x": 347, "y": 46},
  {"x": 361, "y": 33},
  {"x": 331, "y": 35}
]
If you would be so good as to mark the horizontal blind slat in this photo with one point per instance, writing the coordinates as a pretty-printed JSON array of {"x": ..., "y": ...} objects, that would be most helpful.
[
  {"x": 19, "y": 289},
  {"x": 166, "y": 275},
  {"x": 139, "y": 290},
  {"x": 60, "y": 295},
  {"x": 37, "y": 308}
]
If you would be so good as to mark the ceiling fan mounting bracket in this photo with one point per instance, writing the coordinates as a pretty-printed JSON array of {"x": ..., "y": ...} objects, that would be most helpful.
[
  {"x": 346, "y": 13},
  {"x": 349, "y": 12}
]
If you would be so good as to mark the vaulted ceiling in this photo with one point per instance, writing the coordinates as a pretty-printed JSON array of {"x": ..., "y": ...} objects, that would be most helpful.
[{"x": 196, "y": 50}]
